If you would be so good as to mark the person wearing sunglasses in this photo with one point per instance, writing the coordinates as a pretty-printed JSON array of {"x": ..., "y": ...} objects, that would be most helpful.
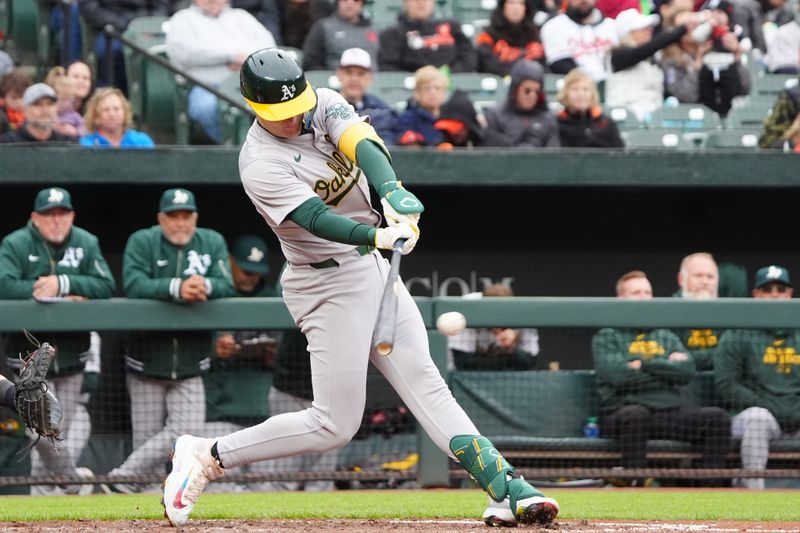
[
  {"x": 523, "y": 119},
  {"x": 757, "y": 374}
]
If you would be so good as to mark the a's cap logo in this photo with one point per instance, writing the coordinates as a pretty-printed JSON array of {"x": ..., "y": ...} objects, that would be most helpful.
[
  {"x": 180, "y": 197},
  {"x": 774, "y": 272},
  {"x": 55, "y": 196},
  {"x": 288, "y": 92},
  {"x": 256, "y": 255}
]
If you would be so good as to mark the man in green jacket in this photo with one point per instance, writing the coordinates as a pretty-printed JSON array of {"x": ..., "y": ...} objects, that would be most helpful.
[
  {"x": 51, "y": 259},
  {"x": 757, "y": 373},
  {"x": 177, "y": 262},
  {"x": 698, "y": 279},
  {"x": 639, "y": 378}
]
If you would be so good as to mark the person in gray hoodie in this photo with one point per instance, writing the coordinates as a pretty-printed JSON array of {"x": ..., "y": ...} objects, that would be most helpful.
[
  {"x": 523, "y": 119},
  {"x": 329, "y": 37}
]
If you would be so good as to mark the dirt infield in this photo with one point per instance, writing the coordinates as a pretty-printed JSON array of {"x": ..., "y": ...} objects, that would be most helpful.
[{"x": 396, "y": 526}]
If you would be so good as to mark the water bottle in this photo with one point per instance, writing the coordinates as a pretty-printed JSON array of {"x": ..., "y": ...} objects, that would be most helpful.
[{"x": 590, "y": 429}]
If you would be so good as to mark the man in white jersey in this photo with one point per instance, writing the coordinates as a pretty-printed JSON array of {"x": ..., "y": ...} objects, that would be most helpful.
[
  {"x": 579, "y": 37},
  {"x": 306, "y": 165}
]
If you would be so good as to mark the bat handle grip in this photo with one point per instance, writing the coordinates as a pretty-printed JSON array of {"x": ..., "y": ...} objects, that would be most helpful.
[{"x": 398, "y": 245}]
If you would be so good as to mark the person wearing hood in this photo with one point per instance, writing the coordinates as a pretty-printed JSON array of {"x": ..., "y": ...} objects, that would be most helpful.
[
  {"x": 523, "y": 119},
  {"x": 582, "y": 124},
  {"x": 419, "y": 39},
  {"x": 510, "y": 36},
  {"x": 415, "y": 124},
  {"x": 579, "y": 37}
]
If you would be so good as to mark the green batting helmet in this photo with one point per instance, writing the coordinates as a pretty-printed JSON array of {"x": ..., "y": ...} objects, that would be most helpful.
[{"x": 275, "y": 86}]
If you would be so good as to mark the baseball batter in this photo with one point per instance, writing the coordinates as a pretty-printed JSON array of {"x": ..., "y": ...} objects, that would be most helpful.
[{"x": 306, "y": 165}]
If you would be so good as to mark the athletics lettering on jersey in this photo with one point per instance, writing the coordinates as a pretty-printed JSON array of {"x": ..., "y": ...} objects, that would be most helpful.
[
  {"x": 340, "y": 111},
  {"x": 702, "y": 339},
  {"x": 198, "y": 264},
  {"x": 644, "y": 348},
  {"x": 783, "y": 357},
  {"x": 72, "y": 257},
  {"x": 338, "y": 185}
]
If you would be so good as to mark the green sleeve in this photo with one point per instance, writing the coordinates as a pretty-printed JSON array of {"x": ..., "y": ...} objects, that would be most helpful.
[
  {"x": 674, "y": 372},
  {"x": 729, "y": 371},
  {"x": 137, "y": 264},
  {"x": 219, "y": 275},
  {"x": 95, "y": 281},
  {"x": 611, "y": 361},
  {"x": 376, "y": 165},
  {"x": 314, "y": 216},
  {"x": 12, "y": 286}
]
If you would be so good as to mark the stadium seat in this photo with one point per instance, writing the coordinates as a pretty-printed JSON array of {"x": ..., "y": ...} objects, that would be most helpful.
[
  {"x": 771, "y": 85},
  {"x": 751, "y": 115},
  {"x": 552, "y": 83},
  {"x": 470, "y": 10},
  {"x": 22, "y": 30},
  {"x": 234, "y": 122},
  {"x": 151, "y": 87},
  {"x": 393, "y": 87},
  {"x": 685, "y": 117},
  {"x": 625, "y": 118},
  {"x": 323, "y": 78},
  {"x": 671, "y": 139},
  {"x": 481, "y": 87},
  {"x": 733, "y": 139}
]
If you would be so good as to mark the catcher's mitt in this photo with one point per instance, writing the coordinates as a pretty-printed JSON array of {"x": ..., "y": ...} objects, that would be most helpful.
[{"x": 37, "y": 406}]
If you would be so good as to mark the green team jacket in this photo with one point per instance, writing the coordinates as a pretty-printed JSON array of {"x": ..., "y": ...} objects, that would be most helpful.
[
  {"x": 153, "y": 267},
  {"x": 761, "y": 368},
  {"x": 237, "y": 388},
  {"x": 656, "y": 384},
  {"x": 701, "y": 342},
  {"x": 81, "y": 269}
]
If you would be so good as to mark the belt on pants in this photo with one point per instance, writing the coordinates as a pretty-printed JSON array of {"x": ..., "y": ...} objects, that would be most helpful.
[{"x": 331, "y": 262}]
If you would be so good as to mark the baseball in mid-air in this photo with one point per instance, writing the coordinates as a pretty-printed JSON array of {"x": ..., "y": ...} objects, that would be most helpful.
[{"x": 451, "y": 323}]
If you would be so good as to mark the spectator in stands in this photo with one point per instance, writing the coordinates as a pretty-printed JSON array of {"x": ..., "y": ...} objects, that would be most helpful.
[
  {"x": 639, "y": 378},
  {"x": 682, "y": 63},
  {"x": 238, "y": 383},
  {"x": 12, "y": 110},
  {"x": 495, "y": 348},
  {"x": 579, "y": 37},
  {"x": 415, "y": 124},
  {"x": 331, "y": 36},
  {"x": 298, "y": 16},
  {"x": 41, "y": 116},
  {"x": 780, "y": 127},
  {"x": 523, "y": 119},
  {"x": 210, "y": 40},
  {"x": 6, "y": 63},
  {"x": 510, "y": 36},
  {"x": 698, "y": 279},
  {"x": 173, "y": 261},
  {"x": 50, "y": 259},
  {"x": 420, "y": 39},
  {"x": 723, "y": 76},
  {"x": 784, "y": 42},
  {"x": 355, "y": 76},
  {"x": 118, "y": 13},
  {"x": 757, "y": 374},
  {"x": 459, "y": 123},
  {"x": 81, "y": 76},
  {"x": 267, "y": 12},
  {"x": 612, "y": 8},
  {"x": 757, "y": 18},
  {"x": 669, "y": 9},
  {"x": 70, "y": 122},
  {"x": 108, "y": 120},
  {"x": 637, "y": 82},
  {"x": 582, "y": 123}
]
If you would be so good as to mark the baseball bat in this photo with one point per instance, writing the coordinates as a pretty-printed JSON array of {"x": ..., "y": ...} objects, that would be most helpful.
[{"x": 383, "y": 336}]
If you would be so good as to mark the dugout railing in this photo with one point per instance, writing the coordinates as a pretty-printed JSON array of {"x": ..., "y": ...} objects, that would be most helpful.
[{"x": 565, "y": 456}]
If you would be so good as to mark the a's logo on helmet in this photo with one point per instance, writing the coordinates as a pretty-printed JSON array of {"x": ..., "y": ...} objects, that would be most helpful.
[{"x": 288, "y": 92}]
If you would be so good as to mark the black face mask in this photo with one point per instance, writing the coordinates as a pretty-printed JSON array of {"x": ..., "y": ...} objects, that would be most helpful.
[{"x": 578, "y": 14}]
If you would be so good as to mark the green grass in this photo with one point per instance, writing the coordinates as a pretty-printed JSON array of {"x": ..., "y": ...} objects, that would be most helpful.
[{"x": 576, "y": 504}]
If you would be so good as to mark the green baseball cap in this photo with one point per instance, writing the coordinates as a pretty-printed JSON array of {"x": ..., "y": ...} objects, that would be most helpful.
[
  {"x": 250, "y": 253},
  {"x": 177, "y": 200},
  {"x": 772, "y": 274},
  {"x": 50, "y": 198}
]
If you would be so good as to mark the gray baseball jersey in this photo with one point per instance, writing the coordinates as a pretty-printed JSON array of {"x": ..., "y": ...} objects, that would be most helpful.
[
  {"x": 280, "y": 174},
  {"x": 337, "y": 307}
]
